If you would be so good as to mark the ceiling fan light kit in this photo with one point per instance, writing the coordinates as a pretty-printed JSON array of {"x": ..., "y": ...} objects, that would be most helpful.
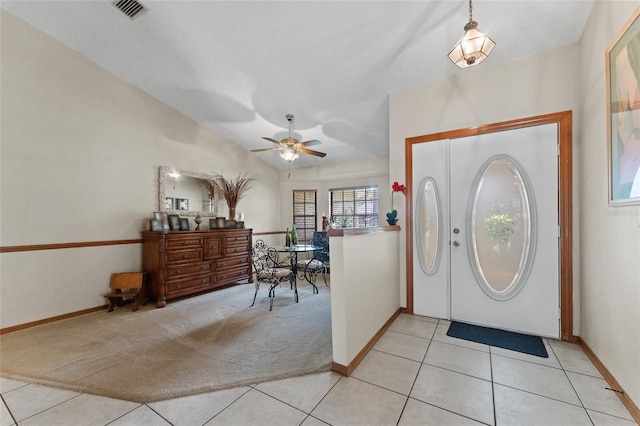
[
  {"x": 289, "y": 154},
  {"x": 473, "y": 47},
  {"x": 290, "y": 148}
]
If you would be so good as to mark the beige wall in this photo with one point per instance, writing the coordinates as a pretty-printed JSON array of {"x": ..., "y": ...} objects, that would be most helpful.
[
  {"x": 610, "y": 236},
  {"x": 363, "y": 290},
  {"x": 79, "y": 157}
]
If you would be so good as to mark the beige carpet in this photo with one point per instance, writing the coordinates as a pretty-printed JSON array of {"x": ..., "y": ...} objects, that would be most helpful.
[{"x": 197, "y": 344}]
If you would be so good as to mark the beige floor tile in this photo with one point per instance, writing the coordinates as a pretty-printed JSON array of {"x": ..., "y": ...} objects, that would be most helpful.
[
  {"x": 534, "y": 378},
  {"x": 516, "y": 407},
  {"x": 594, "y": 395},
  {"x": 420, "y": 317},
  {"x": 441, "y": 336},
  {"x": 576, "y": 360},
  {"x": 256, "y": 408},
  {"x": 197, "y": 409},
  {"x": 84, "y": 409},
  {"x": 354, "y": 402},
  {"x": 312, "y": 421},
  {"x": 419, "y": 413},
  {"x": 142, "y": 415},
  {"x": 460, "y": 359},
  {"x": 7, "y": 385},
  {"x": 304, "y": 392},
  {"x": 413, "y": 327},
  {"x": 5, "y": 416},
  {"x": 28, "y": 400},
  {"x": 459, "y": 393},
  {"x": 403, "y": 345},
  {"x": 552, "y": 361},
  {"x": 388, "y": 371},
  {"x": 555, "y": 343},
  {"x": 601, "y": 419}
]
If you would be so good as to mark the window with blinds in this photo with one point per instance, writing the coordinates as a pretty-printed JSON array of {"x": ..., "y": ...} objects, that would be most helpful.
[
  {"x": 304, "y": 214},
  {"x": 355, "y": 207}
]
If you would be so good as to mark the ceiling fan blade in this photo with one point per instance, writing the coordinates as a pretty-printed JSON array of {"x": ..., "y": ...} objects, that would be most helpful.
[
  {"x": 312, "y": 152},
  {"x": 264, "y": 149},
  {"x": 310, "y": 143},
  {"x": 271, "y": 140}
]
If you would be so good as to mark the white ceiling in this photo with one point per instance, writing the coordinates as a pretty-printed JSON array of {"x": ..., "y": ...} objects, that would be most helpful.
[{"x": 238, "y": 67}]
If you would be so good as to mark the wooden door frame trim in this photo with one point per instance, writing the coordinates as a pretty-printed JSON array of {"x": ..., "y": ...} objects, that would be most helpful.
[{"x": 565, "y": 188}]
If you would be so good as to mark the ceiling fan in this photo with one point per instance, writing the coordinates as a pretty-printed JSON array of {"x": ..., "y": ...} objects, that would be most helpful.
[{"x": 289, "y": 147}]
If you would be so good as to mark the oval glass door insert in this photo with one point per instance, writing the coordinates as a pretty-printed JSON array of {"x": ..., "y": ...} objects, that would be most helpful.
[
  {"x": 503, "y": 227},
  {"x": 428, "y": 227}
]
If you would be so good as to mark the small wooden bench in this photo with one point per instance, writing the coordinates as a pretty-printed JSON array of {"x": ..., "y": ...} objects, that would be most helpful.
[{"x": 126, "y": 285}]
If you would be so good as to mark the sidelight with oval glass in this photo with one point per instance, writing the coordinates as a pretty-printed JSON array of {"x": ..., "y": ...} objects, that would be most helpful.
[
  {"x": 428, "y": 226},
  {"x": 503, "y": 227}
]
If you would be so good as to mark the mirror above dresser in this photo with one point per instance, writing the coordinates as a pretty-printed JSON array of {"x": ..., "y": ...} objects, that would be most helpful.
[{"x": 185, "y": 193}]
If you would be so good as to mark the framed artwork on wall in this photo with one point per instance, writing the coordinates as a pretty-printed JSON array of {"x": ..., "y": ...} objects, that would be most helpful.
[
  {"x": 168, "y": 203},
  {"x": 182, "y": 204},
  {"x": 622, "y": 60}
]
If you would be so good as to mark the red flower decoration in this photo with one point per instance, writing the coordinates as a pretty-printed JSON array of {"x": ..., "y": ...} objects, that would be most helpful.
[{"x": 399, "y": 188}]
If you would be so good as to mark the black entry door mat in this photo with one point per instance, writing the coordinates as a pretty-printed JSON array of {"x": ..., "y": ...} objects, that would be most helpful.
[{"x": 532, "y": 345}]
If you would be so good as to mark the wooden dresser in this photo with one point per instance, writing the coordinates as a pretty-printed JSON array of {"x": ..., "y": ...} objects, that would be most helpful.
[{"x": 180, "y": 263}]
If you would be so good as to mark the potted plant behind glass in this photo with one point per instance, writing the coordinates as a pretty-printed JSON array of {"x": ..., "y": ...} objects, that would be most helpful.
[
  {"x": 233, "y": 189},
  {"x": 392, "y": 216}
]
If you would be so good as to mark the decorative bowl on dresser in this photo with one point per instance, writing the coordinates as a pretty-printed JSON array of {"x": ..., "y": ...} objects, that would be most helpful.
[{"x": 181, "y": 263}]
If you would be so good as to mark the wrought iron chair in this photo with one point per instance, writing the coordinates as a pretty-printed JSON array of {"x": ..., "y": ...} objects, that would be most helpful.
[
  {"x": 269, "y": 271},
  {"x": 319, "y": 261}
]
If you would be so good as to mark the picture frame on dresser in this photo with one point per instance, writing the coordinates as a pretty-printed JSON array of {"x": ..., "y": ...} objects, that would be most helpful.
[
  {"x": 157, "y": 225},
  {"x": 163, "y": 218},
  {"x": 174, "y": 222},
  {"x": 184, "y": 224}
]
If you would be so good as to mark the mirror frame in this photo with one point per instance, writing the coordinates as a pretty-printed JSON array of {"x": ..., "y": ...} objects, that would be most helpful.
[{"x": 163, "y": 176}]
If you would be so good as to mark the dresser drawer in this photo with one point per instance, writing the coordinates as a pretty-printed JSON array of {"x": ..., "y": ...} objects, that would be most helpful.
[
  {"x": 189, "y": 284},
  {"x": 237, "y": 248},
  {"x": 243, "y": 240},
  {"x": 232, "y": 275},
  {"x": 232, "y": 263},
  {"x": 184, "y": 256},
  {"x": 180, "y": 243},
  {"x": 188, "y": 269}
]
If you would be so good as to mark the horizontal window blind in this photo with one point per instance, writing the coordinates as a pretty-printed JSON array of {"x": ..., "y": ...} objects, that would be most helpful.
[
  {"x": 304, "y": 214},
  {"x": 355, "y": 207}
]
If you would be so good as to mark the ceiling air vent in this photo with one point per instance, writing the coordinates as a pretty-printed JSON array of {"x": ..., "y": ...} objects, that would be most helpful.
[{"x": 129, "y": 7}]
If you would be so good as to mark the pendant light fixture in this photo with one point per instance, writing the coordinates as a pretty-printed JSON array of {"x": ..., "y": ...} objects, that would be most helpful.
[{"x": 473, "y": 47}]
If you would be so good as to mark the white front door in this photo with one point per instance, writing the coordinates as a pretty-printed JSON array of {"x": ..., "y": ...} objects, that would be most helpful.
[{"x": 498, "y": 229}]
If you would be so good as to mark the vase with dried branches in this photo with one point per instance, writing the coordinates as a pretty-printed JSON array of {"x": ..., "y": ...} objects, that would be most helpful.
[{"x": 233, "y": 189}]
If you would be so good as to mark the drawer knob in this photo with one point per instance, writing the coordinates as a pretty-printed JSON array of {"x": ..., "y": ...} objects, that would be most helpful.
[
  {"x": 203, "y": 268},
  {"x": 178, "y": 272}
]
